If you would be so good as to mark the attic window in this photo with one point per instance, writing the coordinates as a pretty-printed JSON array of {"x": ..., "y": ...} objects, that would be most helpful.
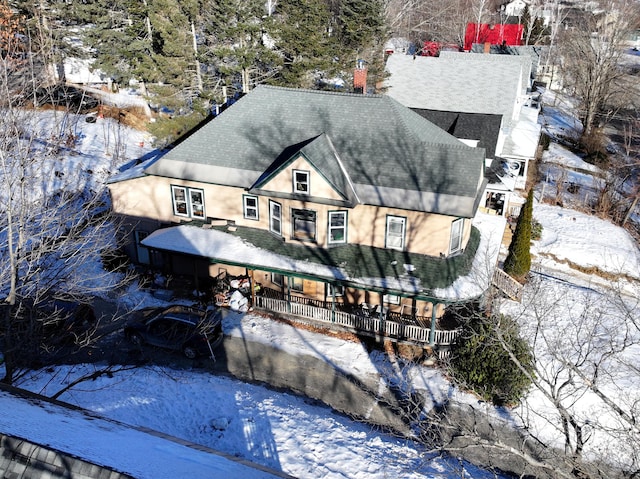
[{"x": 301, "y": 182}]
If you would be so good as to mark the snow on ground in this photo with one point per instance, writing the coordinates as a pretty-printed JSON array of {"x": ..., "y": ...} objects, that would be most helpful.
[
  {"x": 584, "y": 240},
  {"x": 290, "y": 433}
]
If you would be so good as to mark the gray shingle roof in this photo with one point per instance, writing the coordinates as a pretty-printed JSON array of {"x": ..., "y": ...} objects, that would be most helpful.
[
  {"x": 393, "y": 156},
  {"x": 464, "y": 82},
  {"x": 483, "y": 127}
]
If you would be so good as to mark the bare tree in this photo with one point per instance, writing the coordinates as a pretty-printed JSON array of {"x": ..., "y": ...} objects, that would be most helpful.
[
  {"x": 55, "y": 222},
  {"x": 584, "y": 396},
  {"x": 591, "y": 50}
]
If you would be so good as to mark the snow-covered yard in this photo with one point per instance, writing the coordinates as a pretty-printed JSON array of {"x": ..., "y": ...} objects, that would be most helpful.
[{"x": 308, "y": 440}]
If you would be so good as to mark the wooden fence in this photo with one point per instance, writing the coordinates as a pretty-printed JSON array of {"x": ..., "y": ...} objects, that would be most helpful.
[
  {"x": 357, "y": 322},
  {"x": 507, "y": 285}
]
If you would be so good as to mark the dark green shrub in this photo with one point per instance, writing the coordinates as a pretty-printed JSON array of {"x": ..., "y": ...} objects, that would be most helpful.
[
  {"x": 479, "y": 361},
  {"x": 545, "y": 141},
  {"x": 518, "y": 261}
]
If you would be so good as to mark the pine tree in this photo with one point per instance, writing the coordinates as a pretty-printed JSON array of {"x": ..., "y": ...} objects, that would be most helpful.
[
  {"x": 236, "y": 33},
  {"x": 518, "y": 261},
  {"x": 480, "y": 360},
  {"x": 305, "y": 42}
]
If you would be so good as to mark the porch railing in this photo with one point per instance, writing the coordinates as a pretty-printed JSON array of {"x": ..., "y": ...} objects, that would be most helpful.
[{"x": 360, "y": 323}]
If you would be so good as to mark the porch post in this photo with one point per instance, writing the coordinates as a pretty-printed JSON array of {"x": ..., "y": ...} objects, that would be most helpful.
[
  {"x": 333, "y": 303},
  {"x": 432, "y": 332},
  {"x": 288, "y": 293}
]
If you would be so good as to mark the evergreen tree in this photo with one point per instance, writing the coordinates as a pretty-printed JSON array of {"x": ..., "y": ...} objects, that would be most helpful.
[
  {"x": 305, "y": 42},
  {"x": 237, "y": 34},
  {"x": 481, "y": 361},
  {"x": 518, "y": 261}
]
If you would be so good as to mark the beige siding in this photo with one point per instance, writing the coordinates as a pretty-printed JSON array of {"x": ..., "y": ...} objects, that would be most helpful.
[
  {"x": 318, "y": 185},
  {"x": 150, "y": 197}
]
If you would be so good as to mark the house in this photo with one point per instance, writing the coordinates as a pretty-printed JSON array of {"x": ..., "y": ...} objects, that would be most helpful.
[
  {"x": 486, "y": 33},
  {"x": 330, "y": 200},
  {"x": 482, "y": 99}
]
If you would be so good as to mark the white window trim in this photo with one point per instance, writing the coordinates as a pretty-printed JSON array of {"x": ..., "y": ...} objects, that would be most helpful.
[
  {"x": 272, "y": 204},
  {"x": 344, "y": 227},
  {"x": 335, "y": 290},
  {"x": 403, "y": 221},
  {"x": 246, "y": 207},
  {"x": 390, "y": 299},
  {"x": 274, "y": 281},
  {"x": 459, "y": 223},
  {"x": 307, "y": 182},
  {"x": 187, "y": 194}
]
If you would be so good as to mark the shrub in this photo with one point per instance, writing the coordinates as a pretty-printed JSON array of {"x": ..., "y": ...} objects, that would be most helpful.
[
  {"x": 518, "y": 261},
  {"x": 480, "y": 362},
  {"x": 545, "y": 141}
]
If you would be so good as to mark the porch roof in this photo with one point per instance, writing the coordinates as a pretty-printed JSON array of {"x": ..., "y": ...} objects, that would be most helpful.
[{"x": 358, "y": 266}]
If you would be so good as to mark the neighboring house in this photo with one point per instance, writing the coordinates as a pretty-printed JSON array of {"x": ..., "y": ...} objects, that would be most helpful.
[
  {"x": 499, "y": 34},
  {"x": 515, "y": 8},
  {"x": 491, "y": 95},
  {"x": 327, "y": 199}
]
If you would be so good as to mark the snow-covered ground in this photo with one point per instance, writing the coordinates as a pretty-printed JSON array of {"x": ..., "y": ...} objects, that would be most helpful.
[{"x": 300, "y": 437}]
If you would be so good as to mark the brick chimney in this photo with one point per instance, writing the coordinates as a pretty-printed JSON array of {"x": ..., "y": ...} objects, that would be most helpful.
[{"x": 360, "y": 77}]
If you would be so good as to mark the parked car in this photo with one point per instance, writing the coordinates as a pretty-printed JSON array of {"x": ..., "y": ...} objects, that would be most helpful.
[{"x": 194, "y": 332}]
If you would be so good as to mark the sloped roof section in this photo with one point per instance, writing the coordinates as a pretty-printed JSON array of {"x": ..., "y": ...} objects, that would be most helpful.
[
  {"x": 322, "y": 155},
  {"x": 463, "y": 82},
  {"x": 380, "y": 145},
  {"x": 472, "y": 126}
]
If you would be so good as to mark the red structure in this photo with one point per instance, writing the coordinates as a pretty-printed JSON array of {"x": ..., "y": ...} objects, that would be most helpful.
[
  {"x": 493, "y": 34},
  {"x": 433, "y": 49}
]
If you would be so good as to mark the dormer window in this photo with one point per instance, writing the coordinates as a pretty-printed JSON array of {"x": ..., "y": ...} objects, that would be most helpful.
[{"x": 301, "y": 182}]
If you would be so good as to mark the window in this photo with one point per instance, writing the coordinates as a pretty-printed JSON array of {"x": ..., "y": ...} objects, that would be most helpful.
[
  {"x": 275, "y": 218},
  {"x": 337, "y": 227},
  {"x": 301, "y": 182},
  {"x": 188, "y": 202},
  {"x": 335, "y": 290},
  {"x": 304, "y": 224},
  {"x": 277, "y": 278},
  {"x": 296, "y": 284},
  {"x": 250, "y": 207},
  {"x": 395, "y": 232},
  {"x": 391, "y": 299},
  {"x": 456, "y": 236}
]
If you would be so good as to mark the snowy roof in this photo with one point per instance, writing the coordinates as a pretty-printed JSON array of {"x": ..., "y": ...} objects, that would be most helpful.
[
  {"x": 391, "y": 155},
  {"x": 108, "y": 443},
  {"x": 522, "y": 139},
  {"x": 452, "y": 279}
]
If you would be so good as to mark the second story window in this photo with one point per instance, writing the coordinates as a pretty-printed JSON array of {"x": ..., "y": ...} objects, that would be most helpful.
[
  {"x": 337, "y": 227},
  {"x": 301, "y": 182},
  {"x": 188, "y": 202},
  {"x": 304, "y": 224},
  {"x": 275, "y": 218},
  {"x": 250, "y": 207},
  {"x": 456, "y": 236},
  {"x": 394, "y": 237}
]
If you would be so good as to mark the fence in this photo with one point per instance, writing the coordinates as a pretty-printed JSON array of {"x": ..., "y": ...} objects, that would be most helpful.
[
  {"x": 507, "y": 285},
  {"x": 357, "y": 322}
]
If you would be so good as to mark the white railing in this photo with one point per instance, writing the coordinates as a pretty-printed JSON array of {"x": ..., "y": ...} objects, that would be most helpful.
[
  {"x": 507, "y": 285},
  {"x": 384, "y": 328}
]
